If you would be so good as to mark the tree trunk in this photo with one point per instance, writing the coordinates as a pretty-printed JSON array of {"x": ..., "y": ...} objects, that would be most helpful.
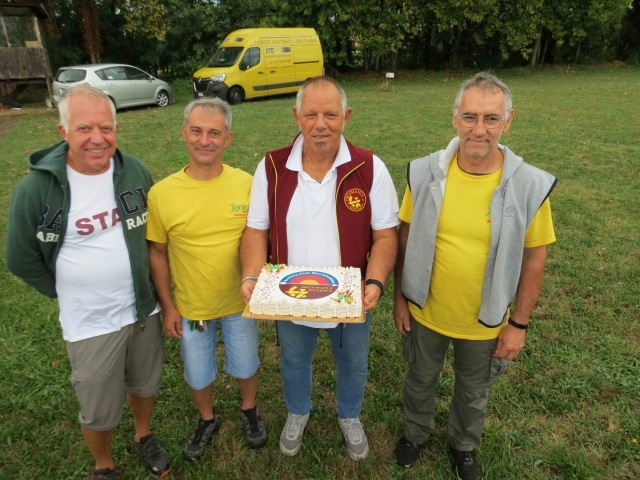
[
  {"x": 544, "y": 49},
  {"x": 426, "y": 48},
  {"x": 535, "y": 51},
  {"x": 90, "y": 28},
  {"x": 456, "y": 58},
  {"x": 577, "y": 53}
]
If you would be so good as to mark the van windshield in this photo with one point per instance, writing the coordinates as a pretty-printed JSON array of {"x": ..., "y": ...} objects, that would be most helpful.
[{"x": 226, "y": 57}]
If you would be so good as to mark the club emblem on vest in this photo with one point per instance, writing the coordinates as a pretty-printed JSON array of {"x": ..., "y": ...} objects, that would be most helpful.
[{"x": 355, "y": 200}]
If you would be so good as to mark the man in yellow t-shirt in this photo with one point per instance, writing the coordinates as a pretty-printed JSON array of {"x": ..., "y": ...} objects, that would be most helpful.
[
  {"x": 196, "y": 219},
  {"x": 475, "y": 224}
]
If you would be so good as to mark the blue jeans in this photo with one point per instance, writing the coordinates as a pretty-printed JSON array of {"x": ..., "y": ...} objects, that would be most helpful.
[
  {"x": 298, "y": 343},
  {"x": 198, "y": 350}
]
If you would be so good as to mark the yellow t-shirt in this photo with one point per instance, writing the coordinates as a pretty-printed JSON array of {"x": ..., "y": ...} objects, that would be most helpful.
[
  {"x": 202, "y": 222},
  {"x": 462, "y": 245}
]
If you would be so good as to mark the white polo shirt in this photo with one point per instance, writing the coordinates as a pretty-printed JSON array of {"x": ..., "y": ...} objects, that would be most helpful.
[{"x": 312, "y": 229}]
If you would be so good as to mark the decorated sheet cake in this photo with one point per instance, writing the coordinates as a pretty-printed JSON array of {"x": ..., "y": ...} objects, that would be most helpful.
[{"x": 287, "y": 292}]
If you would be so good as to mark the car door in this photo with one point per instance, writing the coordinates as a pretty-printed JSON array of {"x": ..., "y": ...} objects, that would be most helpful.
[
  {"x": 252, "y": 73},
  {"x": 281, "y": 74},
  {"x": 117, "y": 85},
  {"x": 144, "y": 89}
]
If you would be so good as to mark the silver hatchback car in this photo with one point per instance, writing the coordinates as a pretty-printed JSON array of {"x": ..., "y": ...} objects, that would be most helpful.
[{"x": 125, "y": 85}]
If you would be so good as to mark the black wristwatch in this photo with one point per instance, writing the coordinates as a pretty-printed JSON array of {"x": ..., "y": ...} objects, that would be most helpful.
[{"x": 377, "y": 283}]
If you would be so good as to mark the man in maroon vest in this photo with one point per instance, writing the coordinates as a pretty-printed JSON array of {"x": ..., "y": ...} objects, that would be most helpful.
[{"x": 322, "y": 202}]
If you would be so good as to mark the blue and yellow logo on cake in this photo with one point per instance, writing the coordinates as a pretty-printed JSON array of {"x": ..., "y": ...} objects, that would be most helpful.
[{"x": 308, "y": 285}]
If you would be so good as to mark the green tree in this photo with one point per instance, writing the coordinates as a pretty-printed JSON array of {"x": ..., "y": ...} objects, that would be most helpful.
[{"x": 629, "y": 44}]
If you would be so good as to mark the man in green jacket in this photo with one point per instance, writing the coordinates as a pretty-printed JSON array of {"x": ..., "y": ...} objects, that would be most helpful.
[{"x": 76, "y": 232}]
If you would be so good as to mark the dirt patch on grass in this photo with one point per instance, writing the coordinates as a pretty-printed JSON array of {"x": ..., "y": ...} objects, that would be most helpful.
[
  {"x": 9, "y": 117},
  {"x": 6, "y": 124}
]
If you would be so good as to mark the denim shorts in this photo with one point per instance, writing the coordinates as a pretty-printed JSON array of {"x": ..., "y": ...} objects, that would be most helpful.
[{"x": 240, "y": 336}]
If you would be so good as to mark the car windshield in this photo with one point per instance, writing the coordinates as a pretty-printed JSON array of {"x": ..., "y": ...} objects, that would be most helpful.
[
  {"x": 226, "y": 57},
  {"x": 71, "y": 76}
]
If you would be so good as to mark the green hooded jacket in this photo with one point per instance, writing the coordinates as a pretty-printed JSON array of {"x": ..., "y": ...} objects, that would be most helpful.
[{"x": 38, "y": 220}]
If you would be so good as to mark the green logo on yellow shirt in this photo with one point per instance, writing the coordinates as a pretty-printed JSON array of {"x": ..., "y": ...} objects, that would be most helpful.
[{"x": 239, "y": 209}]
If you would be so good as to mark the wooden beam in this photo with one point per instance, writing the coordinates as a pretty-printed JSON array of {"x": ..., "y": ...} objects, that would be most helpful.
[
  {"x": 36, "y": 27},
  {"x": 4, "y": 30}
]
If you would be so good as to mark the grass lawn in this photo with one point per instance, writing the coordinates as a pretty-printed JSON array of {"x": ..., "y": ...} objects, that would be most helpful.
[{"x": 568, "y": 407}]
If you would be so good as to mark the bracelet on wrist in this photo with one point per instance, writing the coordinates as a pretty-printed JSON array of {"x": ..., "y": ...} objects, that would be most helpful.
[
  {"x": 250, "y": 277},
  {"x": 521, "y": 326}
]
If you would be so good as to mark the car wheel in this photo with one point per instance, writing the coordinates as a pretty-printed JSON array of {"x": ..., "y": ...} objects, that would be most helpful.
[
  {"x": 114, "y": 102},
  {"x": 162, "y": 100},
  {"x": 235, "y": 95}
]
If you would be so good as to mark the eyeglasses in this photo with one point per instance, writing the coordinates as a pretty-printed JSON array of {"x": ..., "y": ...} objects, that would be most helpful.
[{"x": 490, "y": 121}]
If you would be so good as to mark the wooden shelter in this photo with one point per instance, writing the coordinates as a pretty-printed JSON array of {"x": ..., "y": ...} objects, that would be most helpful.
[{"x": 23, "y": 57}]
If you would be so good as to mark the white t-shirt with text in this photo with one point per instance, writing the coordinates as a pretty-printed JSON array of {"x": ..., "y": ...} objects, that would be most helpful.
[{"x": 94, "y": 281}]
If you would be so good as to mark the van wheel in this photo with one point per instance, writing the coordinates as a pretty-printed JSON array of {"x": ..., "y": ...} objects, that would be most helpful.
[{"x": 235, "y": 95}]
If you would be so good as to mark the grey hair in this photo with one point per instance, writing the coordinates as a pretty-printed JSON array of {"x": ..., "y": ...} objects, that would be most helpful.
[
  {"x": 210, "y": 105},
  {"x": 320, "y": 79},
  {"x": 486, "y": 82},
  {"x": 82, "y": 89}
]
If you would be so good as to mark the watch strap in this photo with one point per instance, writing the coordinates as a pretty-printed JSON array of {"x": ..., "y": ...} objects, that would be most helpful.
[{"x": 377, "y": 283}]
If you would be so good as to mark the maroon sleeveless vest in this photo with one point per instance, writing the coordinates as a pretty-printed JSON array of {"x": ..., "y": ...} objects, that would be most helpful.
[{"x": 353, "y": 205}]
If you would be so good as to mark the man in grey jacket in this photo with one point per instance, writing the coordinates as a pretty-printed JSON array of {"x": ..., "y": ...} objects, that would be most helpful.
[{"x": 475, "y": 224}]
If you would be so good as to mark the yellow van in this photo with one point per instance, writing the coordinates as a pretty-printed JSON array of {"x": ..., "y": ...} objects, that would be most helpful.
[{"x": 256, "y": 62}]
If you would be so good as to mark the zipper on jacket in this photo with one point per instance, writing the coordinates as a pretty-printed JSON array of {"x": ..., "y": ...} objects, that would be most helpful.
[
  {"x": 275, "y": 210},
  {"x": 335, "y": 206}
]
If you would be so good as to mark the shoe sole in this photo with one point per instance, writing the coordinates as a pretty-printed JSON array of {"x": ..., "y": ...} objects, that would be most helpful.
[
  {"x": 255, "y": 446},
  {"x": 405, "y": 465},
  {"x": 289, "y": 453},
  {"x": 355, "y": 457},
  {"x": 162, "y": 475}
]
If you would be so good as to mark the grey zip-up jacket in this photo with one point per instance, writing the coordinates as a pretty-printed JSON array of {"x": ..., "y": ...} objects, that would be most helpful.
[{"x": 522, "y": 190}]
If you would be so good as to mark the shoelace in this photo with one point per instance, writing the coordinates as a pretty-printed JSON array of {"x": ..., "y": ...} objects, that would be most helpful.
[
  {"x": 151, "y": 449},
  {"x": 253, "y": 420},
  {"x": 200, "y": 429},
  {"x": 468, "y": 458},
  {"x": 294, "y": 426},
  {"x": 354, "y": 432},
  {"x": 411, "y": 445}
]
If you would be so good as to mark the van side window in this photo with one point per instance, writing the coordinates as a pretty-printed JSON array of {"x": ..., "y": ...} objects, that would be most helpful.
[{"x": 251, "y": 58}]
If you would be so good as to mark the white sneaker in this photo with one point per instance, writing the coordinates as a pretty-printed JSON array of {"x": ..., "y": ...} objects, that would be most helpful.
[
  {"x": 291, "y": 436},
  {"x": 354, "y": 437}
]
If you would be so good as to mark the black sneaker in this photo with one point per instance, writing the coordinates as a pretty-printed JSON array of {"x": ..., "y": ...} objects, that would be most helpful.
[
  {"x": 465, "y": 464},
  {"x": 254, "y": 428},
  {"x": 407, "y": 452},
  {"x": 104, "y": 474},
  {"x": 153, "y": 456},
  {"x": 200, "y": 438}
]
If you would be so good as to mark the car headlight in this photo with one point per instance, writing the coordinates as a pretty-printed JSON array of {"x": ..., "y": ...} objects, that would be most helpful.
[{"x": 219, "y": 78}]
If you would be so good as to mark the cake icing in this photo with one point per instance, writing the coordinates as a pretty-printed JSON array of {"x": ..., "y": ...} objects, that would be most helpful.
[{"x": 326, "y": 292}]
